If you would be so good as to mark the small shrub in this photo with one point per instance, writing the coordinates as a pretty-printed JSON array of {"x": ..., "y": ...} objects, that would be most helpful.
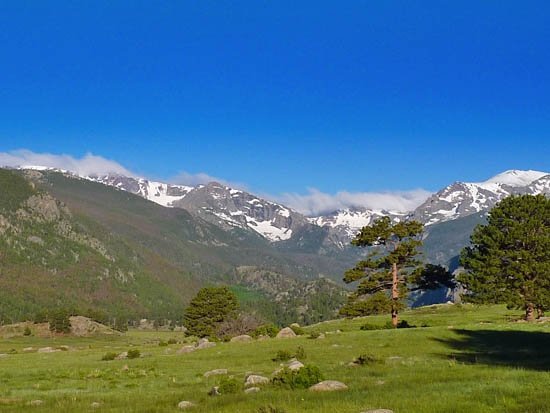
[
  {"x": 12, "y": 351},
  {"x": 299, "y": 331},
  {"x": 27, "y": 331},
  {"x": 368, "y": 326},
  {"x": 172, "y": 341},
  {"x": 109, "y": 356},
  {"x": 270, "y": 330},
  {"x": 300, "y": 353},
  {"x": 229, "y": 385},
  {"x": 134, "y": 353},
  {"x": 162, "y": 343},
  {"x": 404, "y": 324},
  {"x": 303, "y": 378},
  {"x": 314, "y": 335},
  {"x": 282, "y": 355},
  {"x": 270, "y": 409},
  {"x": 365, "y": 359}
]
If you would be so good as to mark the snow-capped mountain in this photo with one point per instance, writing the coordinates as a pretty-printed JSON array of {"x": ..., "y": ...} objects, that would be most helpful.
[
  {"x": 460, "y": 199},
  {"x": 218, "y": 204},
  {"x": 231, "y": 208}
]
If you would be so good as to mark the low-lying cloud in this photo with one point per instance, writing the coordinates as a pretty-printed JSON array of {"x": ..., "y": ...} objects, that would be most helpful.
[
  {"x": 89, "y": 164},
  {"x": 316, "y": 202}
]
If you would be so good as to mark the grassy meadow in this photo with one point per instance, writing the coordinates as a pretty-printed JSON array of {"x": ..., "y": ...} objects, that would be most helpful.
[{"x": 457, "y": 359}]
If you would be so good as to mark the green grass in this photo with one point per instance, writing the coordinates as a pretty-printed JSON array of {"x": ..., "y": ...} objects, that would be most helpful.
[{"x": 466, "y": 359}]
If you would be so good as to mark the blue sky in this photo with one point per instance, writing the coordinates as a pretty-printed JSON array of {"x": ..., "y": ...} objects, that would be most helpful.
[{"x": 282, "y": 96}]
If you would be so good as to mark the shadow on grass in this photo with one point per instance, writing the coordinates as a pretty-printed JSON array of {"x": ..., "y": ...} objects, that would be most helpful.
[{"x": 524, "y": 349}]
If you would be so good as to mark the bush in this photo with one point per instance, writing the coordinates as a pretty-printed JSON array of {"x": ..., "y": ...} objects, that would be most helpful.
[
  {"x": 172, "y": 341},
  {"x": 299, "y": 331},
  {"x": 109, "y": 356},
  {"x": 368, "y": 326},
  {"x": 270, "y": 330},
  {"x": 365, "y": 359},
  {"x": 303, "y": 378},
  {"x": 27, "y": 331},
  {"x": 134, "y": 353},
  {"x": 300, "y": 353},
  {"x": 229, "y": 385},
  {"x": 59, "y": 321},
  {"x": 314, "y": 335},
  {"x": 270, "y": 409},
  {"x": 282, "y": 355},
  {"x": 162, "y": 343}
]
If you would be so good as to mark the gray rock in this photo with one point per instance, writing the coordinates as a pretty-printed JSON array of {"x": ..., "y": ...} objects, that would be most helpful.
[
  {"x": 328, "y": 385},
  {"x": 206, "y": 344},
  {"x": 47, "y": 350},
  {"x": 241, "y": 338},
  {"x": 295, "y": 365},
  {"x": 122, "y": 356},
  {"x": 378, "y": 411},
  {"x": 214, "y": 391},
  {"x": 37, "y": 402},
  {"x": 254, "y": 380},
  {"x": 186, "y": 349},
  {"x": 95, "y": 405},
  {"x": 252, "y": 390},
  {"x": 185, "y": 405},
  {"x": 286, "y": 333},
  {"x": 215, "y": 372}
]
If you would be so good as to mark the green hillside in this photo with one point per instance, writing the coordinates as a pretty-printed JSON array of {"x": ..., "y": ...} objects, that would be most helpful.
[{"x": 86, "y": 246}]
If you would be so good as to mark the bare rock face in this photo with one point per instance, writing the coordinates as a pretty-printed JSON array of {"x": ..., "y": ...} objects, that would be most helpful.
[
  {"x": 328, "y": 385},
  {"x": 286, "y": 333}
]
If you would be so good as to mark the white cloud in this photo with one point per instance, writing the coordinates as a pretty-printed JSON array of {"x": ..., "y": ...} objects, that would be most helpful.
[
  {"x": 186, "y": 178},
  {"x": 316, "y": 202},
  {"x": 87, "y": 165}
]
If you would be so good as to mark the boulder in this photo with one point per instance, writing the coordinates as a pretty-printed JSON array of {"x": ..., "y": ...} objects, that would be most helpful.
[
  {"x": 214, "y": 391},
  {"x": 37, "y": 402},
  {"x": 295, "y": 365},
  {"x": 286, "y": 333},
  {"x": 378, "y": 411},
  {"x": 254, "y": 380},
  {"x": 185, "y": 405},
  {"x": 252, "y": 390},
  {"x": 186, "y": 349},
  {"x": 241, "y": 339},
  {"x": 215, "y": 372},
  {"x": 206, "y": 344},
  {"x": 95, "y": 405},
  {"x": 47, "y": 350},
  {"x": 329, "y": 385},
  {"x": 122, "y": 356}
]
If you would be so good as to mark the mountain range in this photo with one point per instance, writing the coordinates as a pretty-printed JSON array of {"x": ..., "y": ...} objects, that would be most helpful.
[{"x": 132, "y": 247}]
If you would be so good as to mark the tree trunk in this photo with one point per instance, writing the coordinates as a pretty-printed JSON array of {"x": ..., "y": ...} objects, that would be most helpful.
[
  {"x": 394, "y": 295},
  {"x": 530, "y": 312}
]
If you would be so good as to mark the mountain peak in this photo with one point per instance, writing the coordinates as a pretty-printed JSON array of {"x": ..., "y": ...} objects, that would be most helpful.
[{"x": 516, "y": 178}]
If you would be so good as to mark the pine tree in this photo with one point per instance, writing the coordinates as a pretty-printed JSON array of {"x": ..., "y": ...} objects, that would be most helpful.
[
  {"x": 392, "y": 266},
  {"x": 509, "y": 260},
  {"x": 210, "y": 307}
]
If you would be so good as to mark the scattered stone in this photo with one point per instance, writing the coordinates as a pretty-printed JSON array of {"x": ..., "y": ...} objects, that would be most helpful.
[
  {"x": 254, "y": 380},
  {"x": 378, "y": 411},
  {"x": 321, "y": 336},
  {"x": 241, "y": 339},
  {"x": 295, "y": 365},
  {"x": 380, "y": 382},
  {"x": 63, "y": 348},
  {"x": 286, "y": 333},
  {"x": 125, "y": 368},
  {"x": 186, "y": 349},
  {"x": 95, "y": 405},
  {"x": 3, "y": 355},
  {"x": 215, "y": 372},
  {"x": 204, "y": 343},
  {"x": 329, "y": 385},
  {"x": 294, "y": 325},
  {"x": 214, "y": 391},
  {"x": 122, "y": 356},
  {"x": 37, "y": 402},
  {"x": 28, "y": 349},
  {"x": 47, "y": 350},
  {"x": 185, "y": 405},
  {"x": 252, "y": 390}
]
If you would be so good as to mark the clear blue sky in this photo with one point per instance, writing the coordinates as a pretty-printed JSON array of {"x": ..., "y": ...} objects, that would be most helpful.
[{"x": 353, "y": 95}]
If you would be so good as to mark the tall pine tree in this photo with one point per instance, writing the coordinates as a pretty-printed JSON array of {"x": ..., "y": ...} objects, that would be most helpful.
[
  {"x": 392, "y": 266},
  {"x": 509, "y": 260}
]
